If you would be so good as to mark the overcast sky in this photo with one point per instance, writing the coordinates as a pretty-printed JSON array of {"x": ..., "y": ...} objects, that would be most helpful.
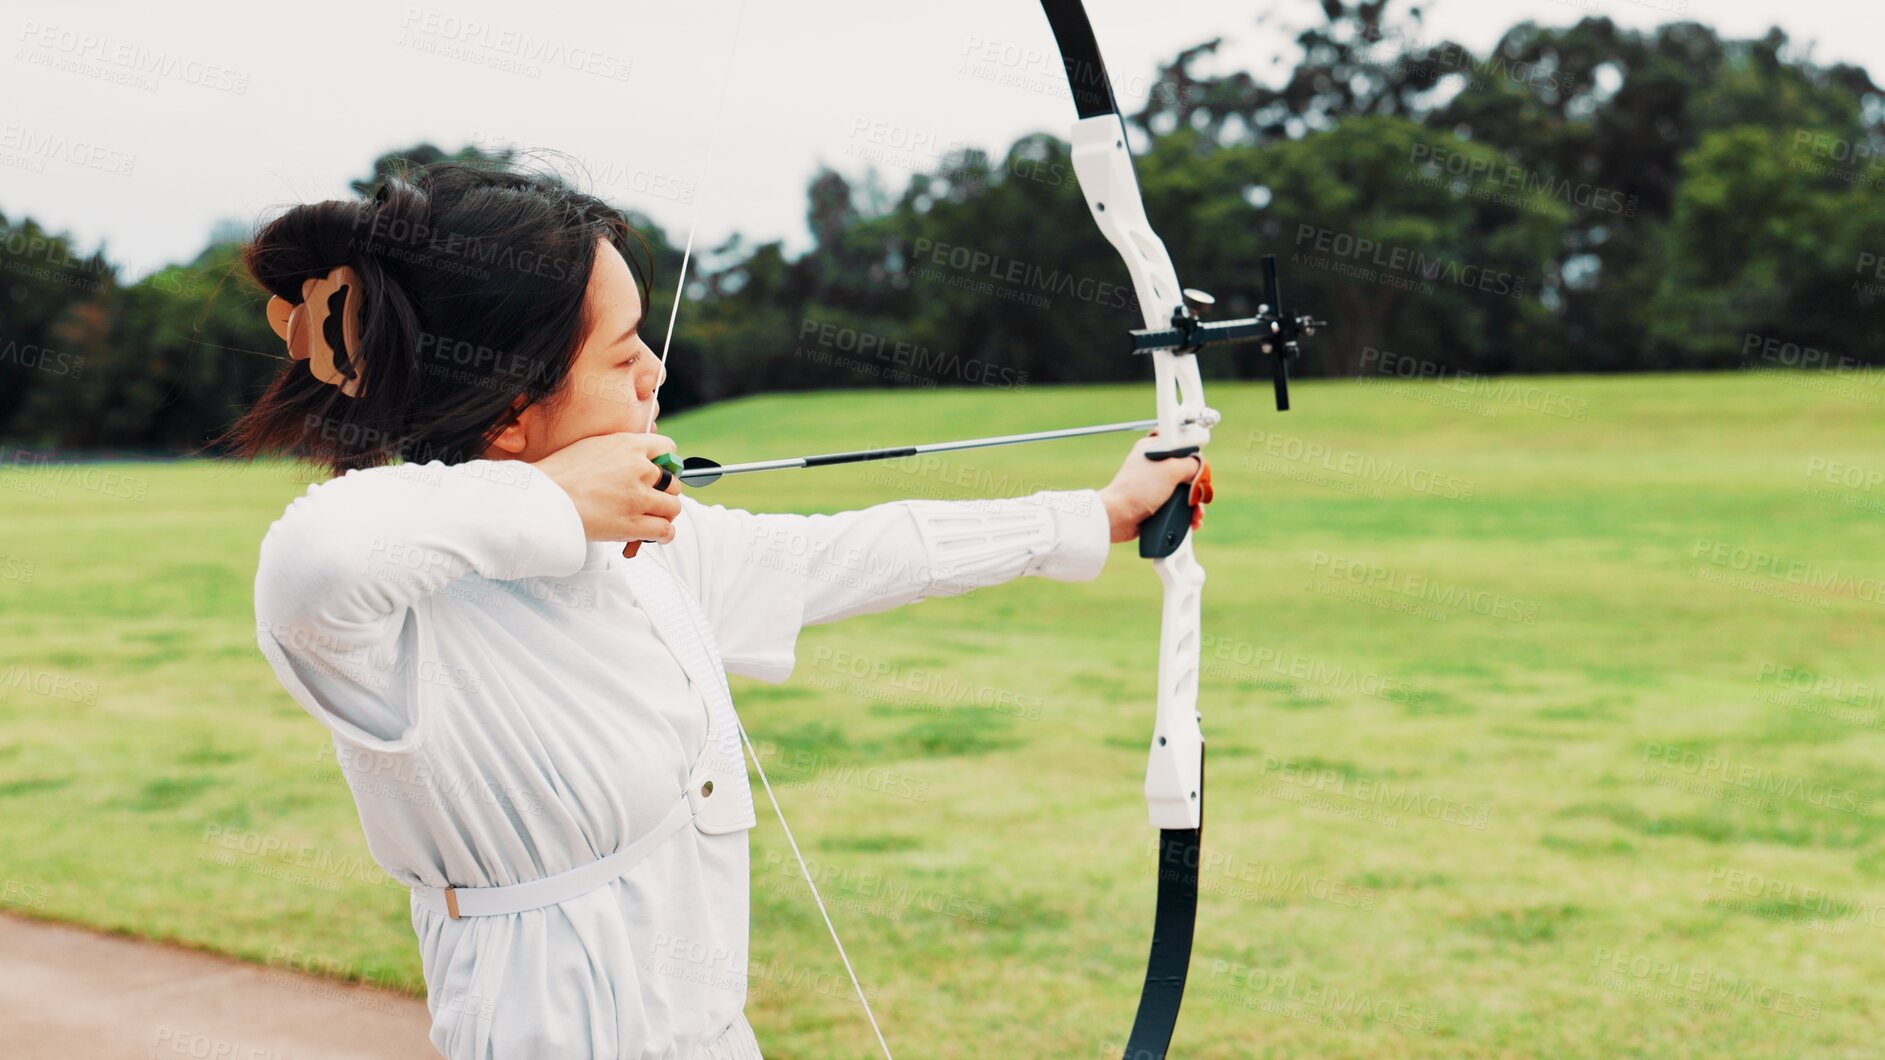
[{"x": 141, "y": 129}]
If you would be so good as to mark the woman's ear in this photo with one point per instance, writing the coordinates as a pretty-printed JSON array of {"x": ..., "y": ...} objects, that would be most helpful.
[{"x": 515, "y": 437}]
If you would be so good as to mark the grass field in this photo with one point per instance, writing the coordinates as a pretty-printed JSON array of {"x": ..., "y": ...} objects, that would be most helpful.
[{"x": 1544, "y": 721}]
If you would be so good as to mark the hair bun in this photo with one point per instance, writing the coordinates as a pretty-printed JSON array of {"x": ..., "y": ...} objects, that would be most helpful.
[{"x": 398, "y": 220}]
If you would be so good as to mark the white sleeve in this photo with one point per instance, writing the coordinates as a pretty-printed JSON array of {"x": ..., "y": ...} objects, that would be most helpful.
[
  {"x": 342, "y": 568},
  {"x": 761, "y": 578}
]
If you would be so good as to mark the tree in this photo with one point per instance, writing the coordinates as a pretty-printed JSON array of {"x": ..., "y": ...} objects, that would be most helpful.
[{"x": 44, "y": 280}]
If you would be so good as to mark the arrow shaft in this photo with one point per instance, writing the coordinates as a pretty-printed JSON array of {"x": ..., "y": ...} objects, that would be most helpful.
[{"x": 857, "y": 456}]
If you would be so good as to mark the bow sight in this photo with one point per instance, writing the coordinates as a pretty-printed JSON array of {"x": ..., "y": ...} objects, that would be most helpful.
[{"x": 1279, "y": 332}]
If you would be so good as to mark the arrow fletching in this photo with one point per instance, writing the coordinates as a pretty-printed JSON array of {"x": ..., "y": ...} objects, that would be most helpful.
[{"x": 695, "y": 471}]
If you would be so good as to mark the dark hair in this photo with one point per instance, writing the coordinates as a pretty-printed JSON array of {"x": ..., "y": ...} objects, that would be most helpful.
[{"x": 473, "y": 276}]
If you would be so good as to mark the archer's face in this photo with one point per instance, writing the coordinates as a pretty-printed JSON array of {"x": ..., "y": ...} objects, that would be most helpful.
[{"x": 610, "y": 387}]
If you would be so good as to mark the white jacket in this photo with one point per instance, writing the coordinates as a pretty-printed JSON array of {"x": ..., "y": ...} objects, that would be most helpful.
[{"x": 506, "y": 705}]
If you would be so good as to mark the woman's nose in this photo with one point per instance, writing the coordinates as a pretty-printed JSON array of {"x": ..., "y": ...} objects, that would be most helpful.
[{"x": 648, "y": 385}]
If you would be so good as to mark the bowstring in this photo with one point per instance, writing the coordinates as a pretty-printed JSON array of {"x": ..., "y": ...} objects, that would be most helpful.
[
  {"x": 693, "y": 220},
  {"x": 816, "y": 897},
  {"x": 680, "y": 288}
]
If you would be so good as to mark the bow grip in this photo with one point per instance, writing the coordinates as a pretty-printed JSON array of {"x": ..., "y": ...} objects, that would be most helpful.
[{"x": 1164, "y": 530}]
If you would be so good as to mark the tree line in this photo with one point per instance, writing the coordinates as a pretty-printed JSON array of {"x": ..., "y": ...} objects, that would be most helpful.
[{"x": 1585, "y": 198}]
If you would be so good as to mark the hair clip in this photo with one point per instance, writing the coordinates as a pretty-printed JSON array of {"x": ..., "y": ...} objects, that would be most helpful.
[{"x": 324, "y": 329}]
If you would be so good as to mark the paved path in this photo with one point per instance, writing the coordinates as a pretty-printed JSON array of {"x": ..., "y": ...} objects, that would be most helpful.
[{"x": 69, "y": 994}]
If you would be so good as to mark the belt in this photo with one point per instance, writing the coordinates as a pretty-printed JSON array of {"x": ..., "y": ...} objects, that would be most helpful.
[{"x": 457, "y": 902}]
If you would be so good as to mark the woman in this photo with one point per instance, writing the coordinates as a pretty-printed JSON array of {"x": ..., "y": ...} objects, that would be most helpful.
[{"x": 528, "y": 704}]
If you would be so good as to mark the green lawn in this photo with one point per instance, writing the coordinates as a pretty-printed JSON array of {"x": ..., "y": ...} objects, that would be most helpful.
[{"x": 1543, "y": 721}]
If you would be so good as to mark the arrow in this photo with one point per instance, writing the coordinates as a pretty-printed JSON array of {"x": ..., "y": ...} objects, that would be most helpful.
[{"x": 699, "y": 471}]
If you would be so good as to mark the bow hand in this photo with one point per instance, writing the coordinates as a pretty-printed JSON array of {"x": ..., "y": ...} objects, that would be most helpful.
[{"x": 1154, "y": 494}]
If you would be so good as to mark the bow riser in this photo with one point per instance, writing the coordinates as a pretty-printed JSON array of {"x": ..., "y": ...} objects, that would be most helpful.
[
  {"x": 1174, "y": 778},
  {"x": 1104, "y": 165},
  {"x": 1102, "y": 161}
]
